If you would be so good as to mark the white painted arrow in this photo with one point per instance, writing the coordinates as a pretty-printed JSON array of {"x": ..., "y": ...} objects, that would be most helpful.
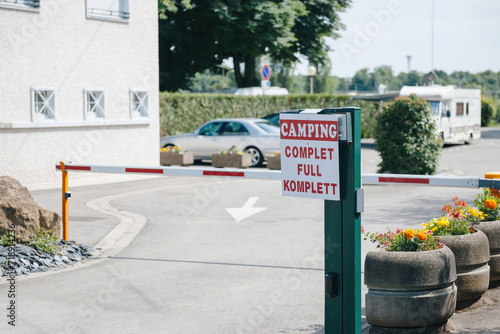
[{"x": 246, "y": 211}]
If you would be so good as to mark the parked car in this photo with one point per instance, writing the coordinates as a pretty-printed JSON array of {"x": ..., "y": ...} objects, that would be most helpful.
[
  {"x": 252, "y": 135},
  {"x": 274, "y": 119}
]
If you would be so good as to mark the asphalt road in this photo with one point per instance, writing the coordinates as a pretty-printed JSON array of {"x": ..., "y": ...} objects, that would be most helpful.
[{"x": 194, "y": 269}]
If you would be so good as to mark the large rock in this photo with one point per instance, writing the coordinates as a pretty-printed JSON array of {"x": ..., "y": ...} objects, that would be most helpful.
[{"x": 19, "y": 208}]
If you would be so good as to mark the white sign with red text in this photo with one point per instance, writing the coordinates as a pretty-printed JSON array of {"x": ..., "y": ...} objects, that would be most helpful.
[{"x": 310, "y": 156}]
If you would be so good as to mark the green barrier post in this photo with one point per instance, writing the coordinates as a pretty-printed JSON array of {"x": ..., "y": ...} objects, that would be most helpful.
[{"x": 343, "y": 237}]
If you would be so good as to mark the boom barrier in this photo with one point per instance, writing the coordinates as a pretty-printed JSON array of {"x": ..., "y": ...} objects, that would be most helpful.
[{"x": 367, "y": 178}]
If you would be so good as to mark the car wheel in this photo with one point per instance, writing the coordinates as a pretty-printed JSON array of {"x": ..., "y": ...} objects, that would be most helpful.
[
  {"x": 168, "y": 145},
  {"x": 257, "y": 157}
]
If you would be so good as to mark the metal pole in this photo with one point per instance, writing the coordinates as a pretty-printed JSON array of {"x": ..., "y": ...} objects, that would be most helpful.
[
  {"x": 311, "y": 84},
  {"x": 408, "y": 77},
  {"x": 432, "y": 36},
  {"x": 343, "y": 238},
  {"x": 64, "y": 201}
]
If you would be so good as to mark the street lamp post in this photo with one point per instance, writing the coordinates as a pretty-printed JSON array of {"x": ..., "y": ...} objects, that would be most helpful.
[
  {"x": 409, "y": 60},
  {"x": 311, "y": 72}
]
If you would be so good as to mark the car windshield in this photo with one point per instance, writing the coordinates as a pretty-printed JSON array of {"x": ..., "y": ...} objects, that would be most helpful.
[{"x": 267, "y": 127}]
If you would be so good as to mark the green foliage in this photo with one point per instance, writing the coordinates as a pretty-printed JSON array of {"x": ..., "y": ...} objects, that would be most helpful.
[
  {"x": 46, "y": 241},
  {"x": 490, "y": 208},
  {"x": 169, "y": 6},
  {"x": 488, "y": 111},
  {"x": 323, "y": 82},
  {"x": 405, "y": 241},
  {"x": 406, "y": 137},
  {"x": 7, "y": 240},
  {"x": 457, "y": 219},
  {"x": 365, "y": 80},
  {"x": 182, "y": 113},
  {"x": 210, "y": 82},
  {"x": 448, "y": 226},
  {"x": 197, "y": 35},
  {"x": 232, "y": 150},
  {"x": 362, "y": 81},
  {"x": 43, "y": 240}
]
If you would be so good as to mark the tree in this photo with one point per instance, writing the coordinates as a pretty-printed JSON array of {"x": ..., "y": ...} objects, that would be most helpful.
[
  {"x": 362, "y": 81},
  {"x": 283, "y": 76},
  {"x": 323, "y": 81},
  {"x": 383, "y": 75},
  {"x": 196, "y": 35}
]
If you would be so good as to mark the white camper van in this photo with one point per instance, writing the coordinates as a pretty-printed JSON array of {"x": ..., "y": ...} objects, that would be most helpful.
[{"x": 457, "y": 111}]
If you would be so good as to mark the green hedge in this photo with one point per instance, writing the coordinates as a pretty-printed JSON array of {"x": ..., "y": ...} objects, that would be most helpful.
[{"x": 184, "y": 112}]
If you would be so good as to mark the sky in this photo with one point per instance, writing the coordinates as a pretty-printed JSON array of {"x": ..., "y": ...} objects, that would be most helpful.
[{"x": 384, "y": 32}]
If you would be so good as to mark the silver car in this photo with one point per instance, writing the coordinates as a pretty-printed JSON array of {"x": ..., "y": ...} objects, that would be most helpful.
[{"x": 252, "y": 135}]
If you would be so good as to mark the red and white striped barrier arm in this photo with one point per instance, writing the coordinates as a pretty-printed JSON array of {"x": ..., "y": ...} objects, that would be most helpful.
[
  {"x": 178, "y": 171},
  {"x": 367, "y": 178},
  {"x": 430, "y": 180}
]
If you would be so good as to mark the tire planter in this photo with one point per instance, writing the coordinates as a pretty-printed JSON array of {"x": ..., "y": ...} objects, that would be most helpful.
[
  {"x": 492, "y": 231},
  {"x": 472, "y": 254},
  {"x": 410, "y": 289}
]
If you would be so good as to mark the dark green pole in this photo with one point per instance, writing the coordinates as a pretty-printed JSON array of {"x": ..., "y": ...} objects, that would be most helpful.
[{"x": 343, "y": 237}]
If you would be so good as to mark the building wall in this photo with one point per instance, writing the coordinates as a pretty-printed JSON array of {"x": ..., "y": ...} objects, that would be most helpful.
[{"x": 59, "y": 47}]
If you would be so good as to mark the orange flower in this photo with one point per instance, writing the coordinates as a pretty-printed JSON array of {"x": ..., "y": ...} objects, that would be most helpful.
[
  {"x": 409, "y": 234},
  {"x": 422, "y": 236},
  {"x": 490, "y": 204}
]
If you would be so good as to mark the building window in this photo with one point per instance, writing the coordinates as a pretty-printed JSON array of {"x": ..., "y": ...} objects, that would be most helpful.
[
  {"x": 94, "y": 104},
  {"x": 460, "y": 109},
  {"x": 21, "y": 4},
  {"x": 43, "y": 104},
  {"x": 139, "y": 102},
  {"x": 115, "y": 10}
]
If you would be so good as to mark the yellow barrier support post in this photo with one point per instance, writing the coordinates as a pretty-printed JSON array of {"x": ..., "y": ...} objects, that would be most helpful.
[
  {"x": 64, "y": 201},
  {"x": 493, "y": 175}
]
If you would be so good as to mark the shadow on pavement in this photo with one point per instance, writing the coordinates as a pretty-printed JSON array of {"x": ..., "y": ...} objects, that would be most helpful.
[{"x": 368, "y": 146}]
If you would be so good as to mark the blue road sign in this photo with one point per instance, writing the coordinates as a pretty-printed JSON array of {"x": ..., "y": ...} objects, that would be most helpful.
[{"x": 265, "y": 72}]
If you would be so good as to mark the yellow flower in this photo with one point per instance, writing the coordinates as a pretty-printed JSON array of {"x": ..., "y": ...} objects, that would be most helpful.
[
  {"x": 421, "y": 236},
  {"x": 409, "y": 234},
  {"x": 434, "y": 229},
  {"x": 443, "y": 221},
  {"x": 427, "y": 225},
  {"x": 490, "y": 204}
]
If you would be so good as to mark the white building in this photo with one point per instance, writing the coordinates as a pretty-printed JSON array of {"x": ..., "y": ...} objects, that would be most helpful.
[{"x": 79, "y": 83}]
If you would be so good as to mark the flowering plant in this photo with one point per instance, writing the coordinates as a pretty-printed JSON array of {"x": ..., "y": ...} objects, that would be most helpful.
[
  {"x": 232, "y": 150},
  {"x": 456, "y": 220},
  {"x": 172, "y": 149},
  {"x": 409, "y": 240},
  {"x": 488, "y": 204}
]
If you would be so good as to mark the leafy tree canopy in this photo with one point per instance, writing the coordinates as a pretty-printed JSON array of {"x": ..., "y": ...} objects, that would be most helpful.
[{"x": 196, "y": 35}]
